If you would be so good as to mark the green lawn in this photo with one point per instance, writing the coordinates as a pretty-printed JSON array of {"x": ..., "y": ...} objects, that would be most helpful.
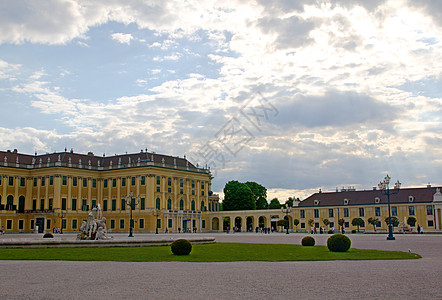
[{"x": 217, "y": 252}]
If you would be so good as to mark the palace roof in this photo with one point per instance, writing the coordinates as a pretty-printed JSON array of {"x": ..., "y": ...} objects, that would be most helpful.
[
  {"x": 93, "y": 162},
  {"x": 366, "y": 197}
]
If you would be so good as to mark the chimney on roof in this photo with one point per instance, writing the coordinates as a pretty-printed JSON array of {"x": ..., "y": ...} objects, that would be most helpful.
[
  {"x": 320, "y": 191},
  {"x": 374, "y": 188},
  {"x": 428, "y": 185},
  {"x": 72, "y": 150}
]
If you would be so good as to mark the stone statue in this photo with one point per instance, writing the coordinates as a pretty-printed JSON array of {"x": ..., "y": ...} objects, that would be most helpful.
[{"x": 95, "y": 227}]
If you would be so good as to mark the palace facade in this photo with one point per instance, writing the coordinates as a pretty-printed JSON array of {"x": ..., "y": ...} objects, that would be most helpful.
[
  {"x": 57, "y": 190},
  {"x": 423, "y": 204}
]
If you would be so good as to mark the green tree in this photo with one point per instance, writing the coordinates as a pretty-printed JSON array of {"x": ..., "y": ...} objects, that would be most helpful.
[
  {"x": 274, "y": 204},
  {"x": 296, "y": 223},
  {"x": 310, "y": 222},
  {"x": 326, "y": 222},
  {"x": 394, "y": 221},
  {"x": 357, "y": 222},
  {"x": 291, "y": 200},
  {"x": 374, "y": 222},
  {"x": 259, "y": 194},
  {"x": 238, "y": 196},
  {"x": 411, "y": 221},
  {"x": 281, "y": 223}
]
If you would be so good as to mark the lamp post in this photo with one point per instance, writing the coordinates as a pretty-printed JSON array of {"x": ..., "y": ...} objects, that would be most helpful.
[
  {"x": 131, "y": 201},
  {"x": 156, "y": 213},
  {"x": 61, "y": 215},
  {"x": 384, "y": 187},
  {"x": 287, "y": 210}
]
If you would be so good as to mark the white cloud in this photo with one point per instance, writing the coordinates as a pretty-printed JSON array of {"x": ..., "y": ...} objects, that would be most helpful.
[{"x": 123, "y": 38}]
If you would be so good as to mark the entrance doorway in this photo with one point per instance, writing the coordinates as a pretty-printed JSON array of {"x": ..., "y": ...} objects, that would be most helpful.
[{"x": 40, "y": 222}]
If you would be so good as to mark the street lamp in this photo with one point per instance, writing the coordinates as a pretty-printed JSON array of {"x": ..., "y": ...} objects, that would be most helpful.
[
  {"x": 131, "y": 201},
  {"x": 287, "y": 210},
  {"x": 156, "y": 213},
  {"x": 61, "y": 215},
  {"x": 384, "y": 187}
]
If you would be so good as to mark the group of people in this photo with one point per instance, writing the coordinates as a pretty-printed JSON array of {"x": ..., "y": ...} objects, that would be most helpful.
[
  {"x": 188, "y": 230},
  {"x": 2, "y": 230},
  {"x": 56, "y": 230},
  {"x": 420, "y": 229},
  {"x": 322, "y": 230}
]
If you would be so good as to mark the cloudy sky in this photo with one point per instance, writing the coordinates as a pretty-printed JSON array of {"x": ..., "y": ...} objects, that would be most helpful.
[{"x": 295, "y": 95}]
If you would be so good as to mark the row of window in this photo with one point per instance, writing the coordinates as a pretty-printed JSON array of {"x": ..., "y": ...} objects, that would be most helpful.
[
  {"x": 430, "y": 223},
  {"x": 141, "y": 224},
  {"x": 142, "y": 180},
  {"x": 377, "y": 212}
]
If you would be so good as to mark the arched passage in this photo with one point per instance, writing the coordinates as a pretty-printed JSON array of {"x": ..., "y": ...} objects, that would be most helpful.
[
  {"x": 238, "y": 226},
  {"x": 249, "y": 223},
  {"x": 215, "y": 224},
  {"x": 262, "y": 222},
  {"x": 226, "y": 224}
]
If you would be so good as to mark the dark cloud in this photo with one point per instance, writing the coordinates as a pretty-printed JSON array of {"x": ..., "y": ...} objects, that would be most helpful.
[
  {"x": 334, "y": 109},
  {"x": 431, "y": 7},
  {"x": 292, "y": 32},
  {"x": 369, "y": 5}
]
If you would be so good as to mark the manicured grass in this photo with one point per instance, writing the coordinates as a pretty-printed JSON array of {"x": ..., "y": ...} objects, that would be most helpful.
[{"x": 219, "y": 252}]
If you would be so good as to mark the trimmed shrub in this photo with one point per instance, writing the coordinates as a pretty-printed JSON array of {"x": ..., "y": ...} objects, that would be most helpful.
[
  {"x": 181, "y": 247},
  {"x": 338, "y": 243},
  {"x": 353, "y": 231},
  {"x": 308, "y": 241},
  {"x": 48, "y": 235}
]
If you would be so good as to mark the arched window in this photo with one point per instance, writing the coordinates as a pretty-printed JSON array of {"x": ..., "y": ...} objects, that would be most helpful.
[
  {"x": 193, "y": 205},
  {"x": 10, "y": 202},
  {"x": 181, "y": 204},
  {"x": 202, "y": 205},
  {"x": 169, "y": 204},
  {"x": 158, "y": 203}
]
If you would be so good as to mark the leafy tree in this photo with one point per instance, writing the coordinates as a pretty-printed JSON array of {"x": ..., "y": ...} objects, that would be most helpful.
[
  {"x": 374, "y": 222},
  {"x": 238, "y": 196},
  {"x": 411, "y": 221},
  {"x": 357, "y": 222},
  {"x": 291, "y": 200},
  {"x": 394, "y": 221},
  {"x": 296, "y": 223},
  {"x": 341, "y": 222},
  {"x": 281, "y": 222},
  {"x": 326, "y": 222},
  {"x": 310, "y": 222},
  {"x": 259, "y": 194},
  {"x": 274, "y": 204}
]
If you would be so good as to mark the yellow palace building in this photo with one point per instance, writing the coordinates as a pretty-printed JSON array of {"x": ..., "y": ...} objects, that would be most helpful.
[
  {"x": 41, "y": 192},
  {"x": 57, "y": 190}
]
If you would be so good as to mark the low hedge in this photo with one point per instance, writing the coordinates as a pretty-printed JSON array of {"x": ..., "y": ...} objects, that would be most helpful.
[
  {"x": 181, "y": 247},
  {"x": 48, "y": 235},
  {"x": 338, "y": 243},
  {"x": 308, "y": 241}
]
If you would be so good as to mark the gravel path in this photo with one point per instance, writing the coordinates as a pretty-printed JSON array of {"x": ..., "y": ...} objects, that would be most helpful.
[{"x": 411, "y": 279}]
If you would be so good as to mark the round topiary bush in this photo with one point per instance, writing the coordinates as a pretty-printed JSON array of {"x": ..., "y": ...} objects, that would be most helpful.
[
  {"x": 338, "y": 243},
  {"x": 308, "y": 241},
  {"x": 181, "y": 247},
  {"x": 48, "y": 235},
  {"x": 353, "y": 231}
]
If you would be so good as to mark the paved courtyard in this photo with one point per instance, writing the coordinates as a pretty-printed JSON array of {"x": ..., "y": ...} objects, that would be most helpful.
[{"x": 411, "y": 279}]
